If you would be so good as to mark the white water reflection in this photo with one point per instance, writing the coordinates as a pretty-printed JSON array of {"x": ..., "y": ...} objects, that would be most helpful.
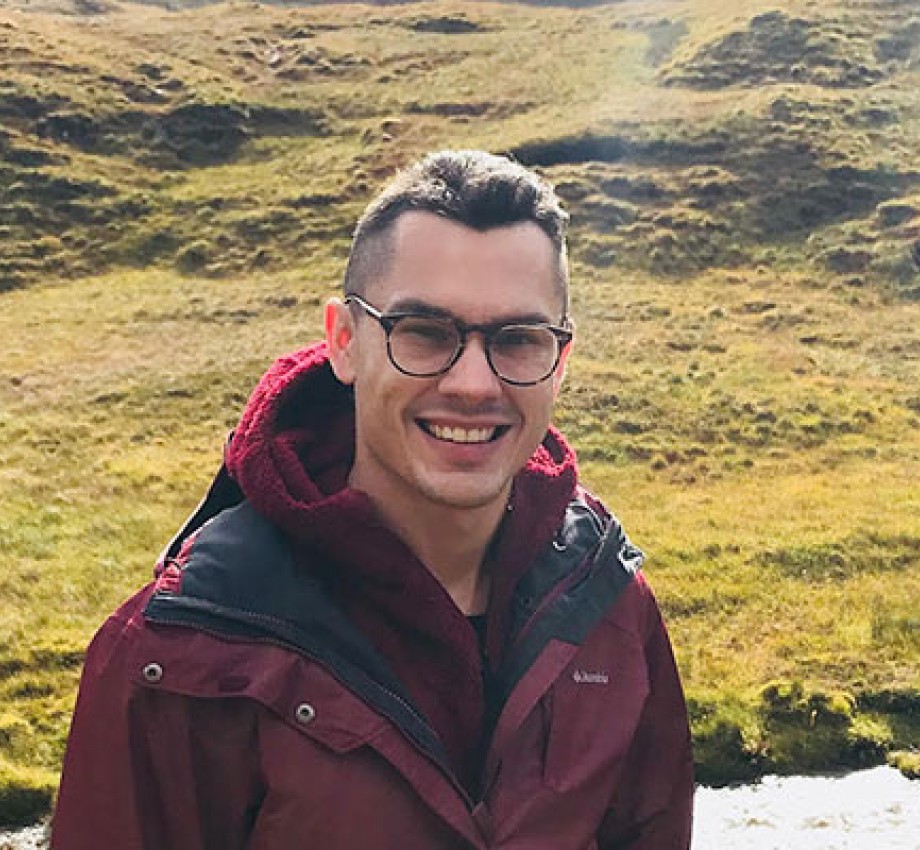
[
  {"x": 876, "y": 809},
  {"x": 30, "y": 838}
]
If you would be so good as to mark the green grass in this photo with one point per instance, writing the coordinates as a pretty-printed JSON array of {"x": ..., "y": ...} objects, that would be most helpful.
[{"x": 744, "y": 390}]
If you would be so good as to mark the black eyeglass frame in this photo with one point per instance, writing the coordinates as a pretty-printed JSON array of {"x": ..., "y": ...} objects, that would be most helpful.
[{"x": 388, "y": 322}]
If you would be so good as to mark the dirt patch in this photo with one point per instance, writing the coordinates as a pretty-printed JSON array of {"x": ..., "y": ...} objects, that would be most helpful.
[{"x": 456, "y": 24}]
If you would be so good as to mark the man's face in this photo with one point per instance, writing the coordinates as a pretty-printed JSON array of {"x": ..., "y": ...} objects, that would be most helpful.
[{"x": 456, "y": 439}]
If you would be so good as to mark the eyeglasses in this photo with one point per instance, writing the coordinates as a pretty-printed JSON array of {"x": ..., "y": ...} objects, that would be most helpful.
[{"x": 423, "y": 346}]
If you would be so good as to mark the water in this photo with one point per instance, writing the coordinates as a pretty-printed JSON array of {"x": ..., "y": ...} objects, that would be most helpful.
[
  {"x": 31, "y": 838},
  {"x": 874, "y": 809}
]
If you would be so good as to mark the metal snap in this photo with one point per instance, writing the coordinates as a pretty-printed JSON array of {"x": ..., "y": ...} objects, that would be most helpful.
[
  {"x": 152, "y": 672},
  {"x": 305, "y": 713}
]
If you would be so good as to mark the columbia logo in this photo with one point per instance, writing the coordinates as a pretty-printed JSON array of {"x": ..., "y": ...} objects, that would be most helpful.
[{"x": 590, "y": 677}]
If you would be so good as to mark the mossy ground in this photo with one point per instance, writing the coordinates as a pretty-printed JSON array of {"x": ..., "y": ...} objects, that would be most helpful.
[{"x": 176, "y": 195}]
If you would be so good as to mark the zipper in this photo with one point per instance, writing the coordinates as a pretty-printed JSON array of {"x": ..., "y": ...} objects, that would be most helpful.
[{"x": 570, "y": 581}]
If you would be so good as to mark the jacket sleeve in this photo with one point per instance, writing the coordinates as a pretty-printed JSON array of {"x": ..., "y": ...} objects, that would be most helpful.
[
  {"x": 148, "y": 769},
  {"x": 654, "y": 805}
]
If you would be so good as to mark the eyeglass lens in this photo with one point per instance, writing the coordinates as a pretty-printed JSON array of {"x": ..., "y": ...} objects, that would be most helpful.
[{"x": 424, "y": 346}]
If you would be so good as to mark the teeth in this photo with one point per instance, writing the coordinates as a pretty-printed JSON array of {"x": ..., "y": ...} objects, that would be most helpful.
[{"x": 462, "y": 435}]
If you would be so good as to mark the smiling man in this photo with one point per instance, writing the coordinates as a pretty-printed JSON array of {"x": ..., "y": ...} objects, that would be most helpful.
[{"x": 397, "y": 620}]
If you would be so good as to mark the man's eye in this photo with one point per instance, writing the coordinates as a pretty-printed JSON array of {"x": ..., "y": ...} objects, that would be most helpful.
[
  {"x": 522, "y": 337},
  {"x": 427, "y": 332}
]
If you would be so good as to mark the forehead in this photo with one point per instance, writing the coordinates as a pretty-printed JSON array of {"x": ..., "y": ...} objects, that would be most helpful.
[{"x": 474, "y": 273}]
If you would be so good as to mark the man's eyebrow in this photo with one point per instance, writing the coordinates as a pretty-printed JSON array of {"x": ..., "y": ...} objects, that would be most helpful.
[{"x": 418, "y": 307}]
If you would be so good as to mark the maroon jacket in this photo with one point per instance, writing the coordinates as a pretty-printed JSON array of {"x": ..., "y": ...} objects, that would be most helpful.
[{"x": 294, "y": 678}]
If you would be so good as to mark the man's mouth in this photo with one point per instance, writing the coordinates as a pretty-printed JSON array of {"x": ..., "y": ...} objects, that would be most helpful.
[{"x": 454, "y": 434}]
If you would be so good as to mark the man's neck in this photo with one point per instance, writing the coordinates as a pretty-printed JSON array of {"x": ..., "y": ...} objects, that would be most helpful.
[
  {"x": 455, "y": 550},
  {"x": 451, "y": 542}
]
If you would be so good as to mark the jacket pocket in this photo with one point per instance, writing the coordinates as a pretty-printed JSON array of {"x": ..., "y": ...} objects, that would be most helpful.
[{"x": 594, "y": 709}]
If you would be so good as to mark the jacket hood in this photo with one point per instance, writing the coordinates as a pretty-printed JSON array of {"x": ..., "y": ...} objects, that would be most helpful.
[
  {"x": 291, "y": 455},
  {"x": 294, "y": 445}
]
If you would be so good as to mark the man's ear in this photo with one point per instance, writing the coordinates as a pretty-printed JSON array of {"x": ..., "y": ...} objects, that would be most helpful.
[{"x": 340, "y": 339}]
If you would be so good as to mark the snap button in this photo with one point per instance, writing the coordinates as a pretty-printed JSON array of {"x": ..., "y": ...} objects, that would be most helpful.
[
  {"x": 152, "y": 672},
  {"x": 305, "y": 713}
]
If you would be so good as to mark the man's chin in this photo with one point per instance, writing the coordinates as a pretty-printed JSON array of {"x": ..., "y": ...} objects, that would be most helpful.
[{"x": 465, "y": 491}]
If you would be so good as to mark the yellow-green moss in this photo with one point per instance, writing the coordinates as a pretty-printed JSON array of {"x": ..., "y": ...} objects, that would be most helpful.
[
  {"x": 25, "y": 793},
  {"x": 907, "y": 761}
]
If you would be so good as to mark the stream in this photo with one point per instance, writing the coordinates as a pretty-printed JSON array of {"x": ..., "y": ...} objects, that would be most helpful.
[{"x": 877, "y": 809}]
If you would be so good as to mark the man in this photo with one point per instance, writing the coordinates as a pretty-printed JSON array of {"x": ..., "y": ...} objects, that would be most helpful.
[{"x": 397, "y": 621}]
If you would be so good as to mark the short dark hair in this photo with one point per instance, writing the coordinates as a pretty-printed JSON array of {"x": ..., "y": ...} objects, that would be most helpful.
[{"x": 474, "y": 188}]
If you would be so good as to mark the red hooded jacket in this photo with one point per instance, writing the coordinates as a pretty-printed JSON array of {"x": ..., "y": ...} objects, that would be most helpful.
[{"x": 295, "y": 678}]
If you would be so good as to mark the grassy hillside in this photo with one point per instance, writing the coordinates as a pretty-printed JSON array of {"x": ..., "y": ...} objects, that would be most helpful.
[{"x": 177, "y": 190}]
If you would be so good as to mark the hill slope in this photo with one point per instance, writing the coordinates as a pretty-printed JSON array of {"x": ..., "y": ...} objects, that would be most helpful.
[{"x": 713, "y": 138}]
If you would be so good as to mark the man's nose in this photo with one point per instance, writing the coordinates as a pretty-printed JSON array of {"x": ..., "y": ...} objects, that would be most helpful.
[{"x": 471, "y": 375}]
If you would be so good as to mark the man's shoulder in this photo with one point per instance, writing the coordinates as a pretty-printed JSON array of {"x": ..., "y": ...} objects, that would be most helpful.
[
  {"x": 617, "y": 562},
  {"x": 591, "y": 527},
  {"x": 232, "y": 555},
  {"x": 223, "y": 561},
  {"x": 240, "y": 565}
]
